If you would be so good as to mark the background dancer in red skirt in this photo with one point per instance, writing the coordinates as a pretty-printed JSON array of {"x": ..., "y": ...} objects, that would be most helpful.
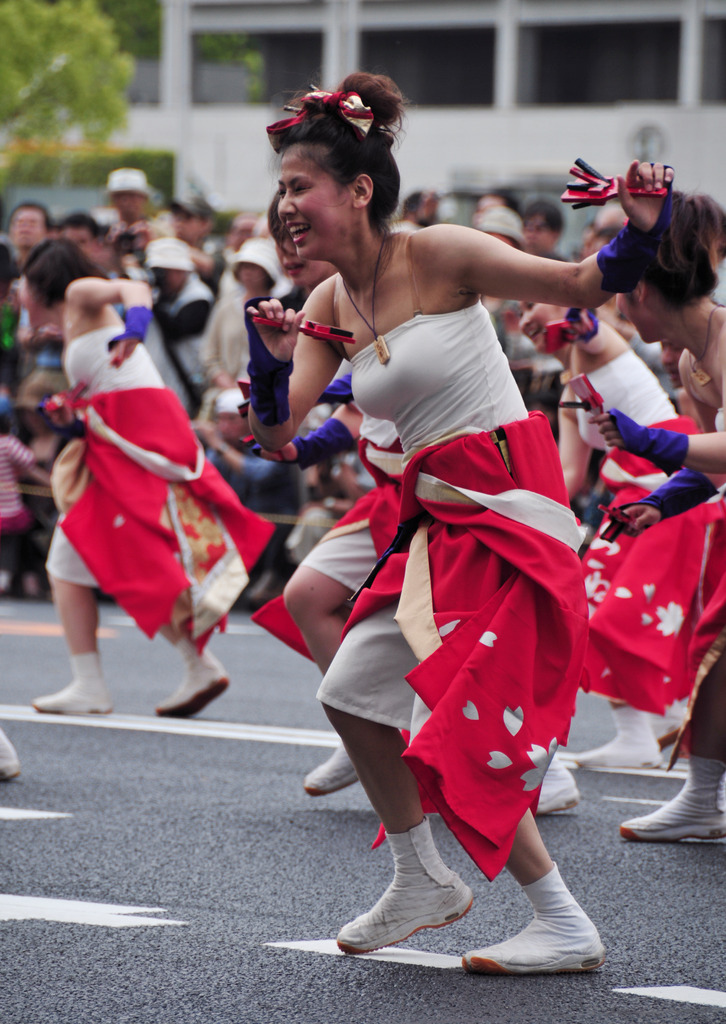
[{"x": 146, "y": 517}]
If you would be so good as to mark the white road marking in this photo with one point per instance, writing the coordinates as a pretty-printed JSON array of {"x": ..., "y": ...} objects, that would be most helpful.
[
  {"x": 678, "y": 771},
  {"x": 389, "y": 954},
  {"x": 633, "y": 800},
  {"x": 19, "y": 814},
  {"x": 108, "y": 915},
  {"x": 233, "y": 629},
  {"x": 680, "y": 994},
  {"x": 178, "y": 726}
]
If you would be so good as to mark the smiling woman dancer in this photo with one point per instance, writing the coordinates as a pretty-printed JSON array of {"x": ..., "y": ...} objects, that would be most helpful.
[{"x": 484, "y": 657}]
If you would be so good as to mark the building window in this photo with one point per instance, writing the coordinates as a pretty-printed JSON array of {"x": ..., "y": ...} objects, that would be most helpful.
[
  {"x": 714, "y": 61},
  {"x": 268, "y": 68},
  {"x": 437, "y": 68},
  {"x": 599, "y": 63}
]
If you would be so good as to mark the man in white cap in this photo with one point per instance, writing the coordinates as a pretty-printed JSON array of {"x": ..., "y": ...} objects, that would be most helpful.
[
  {"x": 128, "y": 192},
  {"x": 506, "y": 225},
  {"x": 182, "y": 303}
]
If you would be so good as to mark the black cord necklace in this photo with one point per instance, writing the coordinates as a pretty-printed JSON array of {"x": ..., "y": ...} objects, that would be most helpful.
[
  {"x": 379, "y": 342},
  {"x": 700, "y": 375}
]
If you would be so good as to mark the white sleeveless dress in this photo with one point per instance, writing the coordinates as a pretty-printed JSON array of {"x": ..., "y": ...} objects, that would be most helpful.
[
  {"x": 87, "y": 360},
  {"x": 447, "y": 375}
]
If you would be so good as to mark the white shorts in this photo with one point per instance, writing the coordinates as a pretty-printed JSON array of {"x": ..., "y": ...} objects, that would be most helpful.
[
  {"x": 64, "y": 562},
  {"x": 346, "y": 559},
  {"x": 366, "y": 677}
]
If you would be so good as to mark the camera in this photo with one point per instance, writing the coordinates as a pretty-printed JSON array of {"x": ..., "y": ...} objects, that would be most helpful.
[
  {"x": 158, "y": 277},
  {"x": 126, "y": 241}
]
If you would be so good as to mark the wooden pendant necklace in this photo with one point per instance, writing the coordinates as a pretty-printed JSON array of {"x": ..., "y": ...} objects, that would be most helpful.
[
  {"x": 379, "y": 342},
  {"x": 698, "y": 373}
]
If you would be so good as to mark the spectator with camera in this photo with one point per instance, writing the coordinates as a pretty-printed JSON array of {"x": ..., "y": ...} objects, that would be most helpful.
[{"x": 128, "y": 192}]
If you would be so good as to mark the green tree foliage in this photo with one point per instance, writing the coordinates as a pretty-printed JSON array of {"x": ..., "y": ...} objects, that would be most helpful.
[
  {"x": 60, "y": 68},
  {"x": 138, "y": 25}
]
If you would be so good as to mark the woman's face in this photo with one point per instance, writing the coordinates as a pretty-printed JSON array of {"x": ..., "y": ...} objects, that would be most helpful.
[
  {"x": 534, "y": 318},
  {"x": 312, "y": 204},
  {"x": 637, "y": 307},
  {"x": 304, "y": 274}
]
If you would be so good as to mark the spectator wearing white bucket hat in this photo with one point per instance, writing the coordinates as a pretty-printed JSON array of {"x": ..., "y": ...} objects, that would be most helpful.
[
  {"x": 182, "y": 303},
  {"x": 503, "y": 223}
]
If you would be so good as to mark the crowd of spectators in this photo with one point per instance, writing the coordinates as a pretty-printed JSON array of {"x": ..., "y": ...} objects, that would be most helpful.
[{"x": 201, "y": 280}]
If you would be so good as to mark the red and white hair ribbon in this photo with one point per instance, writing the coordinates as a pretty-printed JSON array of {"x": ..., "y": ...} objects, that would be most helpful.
[{"x": 348, "y": 105}]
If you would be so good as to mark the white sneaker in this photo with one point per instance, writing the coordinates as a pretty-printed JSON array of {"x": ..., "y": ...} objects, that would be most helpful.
[
  {"x": 541, "y": 949},
  {"x": 617, "y": 754},
  {"x": 9, "y": 762},
  {"x": 424, "y": 893},
  {"x": 697, "y": 812},
  {"x": 78, "y": 698},
  {"x": 561, "y": 938},
  {"x": 678, "y": 819},
  {"x": 202, "y": 683},
  {"x": 634, "y": 746},
  {"x": 559, "y": 790},
  {"x": 334, "y": 774}
]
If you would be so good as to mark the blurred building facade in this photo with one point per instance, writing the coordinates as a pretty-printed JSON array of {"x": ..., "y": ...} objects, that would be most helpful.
[{"x": 502, "y": 91}]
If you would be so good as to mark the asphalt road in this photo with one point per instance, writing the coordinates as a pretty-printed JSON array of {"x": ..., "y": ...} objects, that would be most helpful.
[{"x": 179, "y": 859}]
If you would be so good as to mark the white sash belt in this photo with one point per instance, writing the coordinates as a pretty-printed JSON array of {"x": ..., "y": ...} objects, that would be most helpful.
[
  {"x": 612, "y": 470},
  {"x": 525, "y": 507},
  {"x": 155, "y": 463},
  {"x": 390, "y": 463}
]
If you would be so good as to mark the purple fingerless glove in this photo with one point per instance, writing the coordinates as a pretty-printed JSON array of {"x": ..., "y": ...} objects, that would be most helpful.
[
  {"x": 623, "y": 260},
  {"x": 666, "y": 449},
  {"x": 137, "y": 322},
  {"x": 685, "y": 489},
  {"x": 329, "y": 439},
  {"x": 269, "y": 377},
  {"x": 339, "y": 390},
  {"x": 573, "y": 315}
]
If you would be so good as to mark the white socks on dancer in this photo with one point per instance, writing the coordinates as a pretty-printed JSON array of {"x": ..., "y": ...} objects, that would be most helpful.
[
  {"x": 634, "y": 746},
  {"x": 561, "y": 937},
  {"x": 86, "y": 694},
  {"x": 204, "y": 679},
  {"x": 559, "y": 790},
  {"x": 698, "y": 812},
  {"x": 424, "y": 893}
]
